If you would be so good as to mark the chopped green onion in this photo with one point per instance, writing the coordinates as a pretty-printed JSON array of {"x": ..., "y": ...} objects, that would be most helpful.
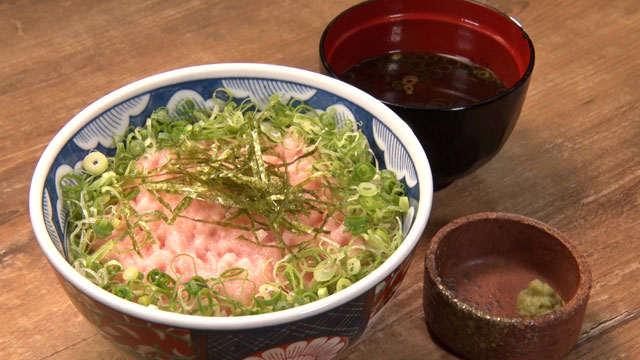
[
  {"x": 367, "y": 189},
  {"x": 95, "y": 163},
  {"x": 130, "y": 274},
  {"x": 123, "y": 291},
  {"x": 342, "y": 284},
  {"x": 136, "y": 148},
  {"x": 323, "y": 293},
  {"x": 403, "y": 203},
  {"x": 324, "y": 272},
  {"x": 353, "y": 266},
  {"x": 103, "y": 228},
  {"x": 282, "y": 305},
  {"x": 144, "y": 300},
  {"x": 364, "y": 172}
]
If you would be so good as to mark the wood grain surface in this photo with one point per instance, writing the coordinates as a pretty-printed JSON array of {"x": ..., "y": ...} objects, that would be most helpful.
[{"x": 573, "y": 160}]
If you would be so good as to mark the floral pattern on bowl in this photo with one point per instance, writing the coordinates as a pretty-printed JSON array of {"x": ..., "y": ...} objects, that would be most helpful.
[{"x": 322, "y": 348}]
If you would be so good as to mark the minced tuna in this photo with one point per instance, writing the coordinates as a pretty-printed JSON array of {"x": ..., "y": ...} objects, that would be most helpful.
[{"x": 214, "y": 248}]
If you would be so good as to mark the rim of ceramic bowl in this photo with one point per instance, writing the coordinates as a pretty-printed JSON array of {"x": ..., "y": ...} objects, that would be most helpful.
[
  {"x": 580, "y": 297},
  {"x": 523, "y": 79},
  {"x": 279, "y": 72}
]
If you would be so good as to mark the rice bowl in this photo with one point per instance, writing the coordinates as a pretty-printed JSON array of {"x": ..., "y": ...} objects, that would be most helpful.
[{"x": 394, "y": 146}]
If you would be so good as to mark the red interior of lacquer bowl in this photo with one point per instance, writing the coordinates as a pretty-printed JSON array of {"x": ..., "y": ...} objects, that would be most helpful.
[{"x": 453, "y": 27}]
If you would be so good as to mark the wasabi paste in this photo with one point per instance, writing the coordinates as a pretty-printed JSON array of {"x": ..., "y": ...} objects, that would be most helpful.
[{"x": 538, "y": 299}]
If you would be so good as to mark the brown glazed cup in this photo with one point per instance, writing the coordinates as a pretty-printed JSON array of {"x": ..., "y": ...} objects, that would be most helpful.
[{"x": 474, "y": 269}]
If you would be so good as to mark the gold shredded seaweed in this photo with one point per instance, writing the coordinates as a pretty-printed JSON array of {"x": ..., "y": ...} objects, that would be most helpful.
[{"x": 218, "y": 156}]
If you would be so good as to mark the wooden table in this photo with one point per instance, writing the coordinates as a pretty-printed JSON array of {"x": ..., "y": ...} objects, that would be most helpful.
[{"x": 573, "y": 160}]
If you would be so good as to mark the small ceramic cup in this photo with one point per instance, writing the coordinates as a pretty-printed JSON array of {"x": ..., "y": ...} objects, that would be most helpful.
[
  {"x": 474, "y": 269},
  {"x": 457, "y": 140}
]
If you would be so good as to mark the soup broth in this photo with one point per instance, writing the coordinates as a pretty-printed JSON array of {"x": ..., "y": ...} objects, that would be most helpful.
[{"x": 424, "y": 79}]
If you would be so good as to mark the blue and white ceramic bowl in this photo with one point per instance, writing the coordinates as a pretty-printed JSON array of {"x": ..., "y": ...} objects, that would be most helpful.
[{"x": 323, "y": 328}]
